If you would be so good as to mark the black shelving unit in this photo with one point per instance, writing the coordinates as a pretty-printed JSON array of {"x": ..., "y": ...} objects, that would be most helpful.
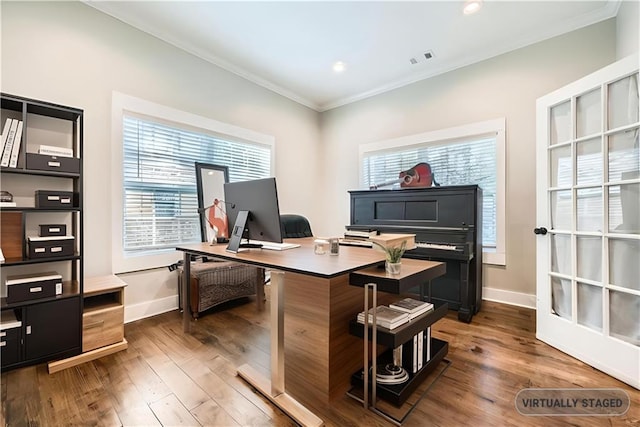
[
  {"x": 397, "y": 394},
  {"x": 42, "y": 329},
  {"x": 413, "y": 273}
]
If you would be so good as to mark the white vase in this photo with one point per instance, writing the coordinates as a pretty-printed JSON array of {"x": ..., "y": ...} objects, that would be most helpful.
[{"x": 392, "y": 267}]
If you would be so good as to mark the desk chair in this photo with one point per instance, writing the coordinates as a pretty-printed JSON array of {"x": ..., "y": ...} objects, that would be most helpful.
[{"x": 295, "y": 226}]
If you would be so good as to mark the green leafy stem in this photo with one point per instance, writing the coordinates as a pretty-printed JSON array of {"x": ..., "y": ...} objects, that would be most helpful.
[{"x": 393, "y": 254}]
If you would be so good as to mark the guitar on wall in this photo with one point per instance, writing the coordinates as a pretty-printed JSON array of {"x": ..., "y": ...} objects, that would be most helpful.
[{"x": 418, "y": 176}]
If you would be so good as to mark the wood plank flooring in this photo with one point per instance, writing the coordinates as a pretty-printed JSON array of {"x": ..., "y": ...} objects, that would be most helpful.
[{"x": 171, "y": 379}]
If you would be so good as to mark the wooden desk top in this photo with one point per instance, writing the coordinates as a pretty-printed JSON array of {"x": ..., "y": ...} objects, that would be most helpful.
[{"x": 298, "y": 260}]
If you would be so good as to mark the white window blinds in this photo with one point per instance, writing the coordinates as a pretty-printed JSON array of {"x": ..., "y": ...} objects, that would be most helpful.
[
  {"x": 462, "y": 162},
  {"x": 159, "y": 196}
]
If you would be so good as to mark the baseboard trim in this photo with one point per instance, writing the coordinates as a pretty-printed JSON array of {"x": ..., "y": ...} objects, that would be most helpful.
[
  {"x": 163, "y": 305},
  {"x": 509, "y": 297},
  {"x": 150, "y": 308}
]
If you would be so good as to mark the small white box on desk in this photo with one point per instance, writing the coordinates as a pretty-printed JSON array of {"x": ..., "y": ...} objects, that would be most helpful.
[{"x": 394, "y": 240}]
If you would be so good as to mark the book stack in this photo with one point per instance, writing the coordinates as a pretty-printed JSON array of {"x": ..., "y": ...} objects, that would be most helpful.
[
  {"x": 386, "y": 317},
  {"x": 6, "y": 200},
  {"x": 359, "y": 237},
  {"x": 11, "y": 138},
  {"x": 355, "y": 242},
  {"x": 412, "y": 306},
  {"x": 360, "y": 234}
]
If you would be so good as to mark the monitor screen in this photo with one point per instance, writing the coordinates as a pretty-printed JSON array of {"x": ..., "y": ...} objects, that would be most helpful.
[{"x": 259, "y": 198}]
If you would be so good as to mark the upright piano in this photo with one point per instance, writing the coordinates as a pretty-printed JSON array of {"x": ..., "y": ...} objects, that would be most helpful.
[{"x": 447, "y": 222}]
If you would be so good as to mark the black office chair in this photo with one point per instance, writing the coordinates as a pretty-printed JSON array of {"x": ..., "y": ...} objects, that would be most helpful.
[{"x": 295, "y": 226}]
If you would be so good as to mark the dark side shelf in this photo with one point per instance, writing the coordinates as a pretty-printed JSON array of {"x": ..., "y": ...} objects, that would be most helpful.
[
  {"x": 398, "y": 336},
  {"x": 397, "y": 394},
  {"x": 25, "y": 261},
  {"x": 24, "y": 170},
  {"x": 32, "y": 209}
]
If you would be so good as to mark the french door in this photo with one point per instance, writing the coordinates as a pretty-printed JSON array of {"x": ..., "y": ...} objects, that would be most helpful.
[{"x": 588, "y": 220}]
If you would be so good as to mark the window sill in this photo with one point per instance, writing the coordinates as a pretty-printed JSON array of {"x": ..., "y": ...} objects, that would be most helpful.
[{"x": 494, "y": 258}]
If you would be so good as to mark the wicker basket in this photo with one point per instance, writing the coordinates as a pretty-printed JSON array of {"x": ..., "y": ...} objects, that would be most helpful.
[{"x": 213, "y": 283}]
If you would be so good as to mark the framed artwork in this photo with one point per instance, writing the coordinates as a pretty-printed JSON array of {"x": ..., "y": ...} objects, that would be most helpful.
[{"x": 210, "y": 180}]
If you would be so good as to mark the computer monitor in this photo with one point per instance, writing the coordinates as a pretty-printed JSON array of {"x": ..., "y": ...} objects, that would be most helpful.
[{"x": 253, "y": 212}]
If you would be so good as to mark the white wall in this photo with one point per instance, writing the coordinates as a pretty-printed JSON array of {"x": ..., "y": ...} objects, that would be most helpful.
[
  {"x": 69, "y": 53},
  {"x": 505, "y": 86},
  {"x": 627, "y": 33}
]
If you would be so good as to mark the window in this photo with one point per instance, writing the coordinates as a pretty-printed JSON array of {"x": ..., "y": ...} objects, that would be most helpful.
[
  {"x": 472, "y": 154},
  {"x": 156, "y": 197}
]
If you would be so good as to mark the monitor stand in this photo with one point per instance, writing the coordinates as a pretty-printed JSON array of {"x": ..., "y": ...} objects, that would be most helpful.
[{"x": 237, "y": 232}]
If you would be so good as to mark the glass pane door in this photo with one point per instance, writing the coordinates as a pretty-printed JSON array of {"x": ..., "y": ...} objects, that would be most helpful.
[
  {"x": 588, "y": 279},
  {"x": 585, "y": 223},
  {"x": 623, "y": 209}
]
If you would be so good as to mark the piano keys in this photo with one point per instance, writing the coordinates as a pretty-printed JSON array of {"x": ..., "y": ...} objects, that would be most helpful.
[
  {"x": 439, "y": 246},
  {"x": 447, "y": 222}
]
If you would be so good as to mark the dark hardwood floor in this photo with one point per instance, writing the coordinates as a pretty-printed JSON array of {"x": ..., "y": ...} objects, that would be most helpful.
[{"x": 168, "y": 378}]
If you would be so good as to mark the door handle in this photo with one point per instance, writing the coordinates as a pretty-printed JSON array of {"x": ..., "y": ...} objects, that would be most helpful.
[{"x": 540, "y": 230}]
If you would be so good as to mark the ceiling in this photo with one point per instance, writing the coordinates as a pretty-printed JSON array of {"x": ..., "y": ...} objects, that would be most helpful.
[{"x": 291, "y": 46}]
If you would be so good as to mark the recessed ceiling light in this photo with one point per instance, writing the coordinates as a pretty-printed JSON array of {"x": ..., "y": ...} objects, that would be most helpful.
[
  {"x": 471, "y": 6},
  {"x": 339, "y": 67}
]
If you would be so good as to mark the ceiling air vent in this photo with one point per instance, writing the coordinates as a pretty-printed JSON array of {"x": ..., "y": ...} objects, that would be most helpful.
[{"x": 422, "y": 57}]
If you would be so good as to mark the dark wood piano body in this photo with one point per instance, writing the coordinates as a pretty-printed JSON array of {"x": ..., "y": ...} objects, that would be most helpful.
[{"x": 447, "y": 222}]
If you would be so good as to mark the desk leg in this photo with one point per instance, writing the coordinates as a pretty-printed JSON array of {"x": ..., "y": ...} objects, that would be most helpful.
[
  {"x": 274, "y": 389},
  {"x": 260, "y": 291},
  {"x": 277, "y": 333},
  {"x": 374, "y": 344},
  {"x": 186, "y": 301}
]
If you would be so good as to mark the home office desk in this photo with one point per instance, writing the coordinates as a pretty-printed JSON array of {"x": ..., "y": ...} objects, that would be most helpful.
[{"x": 321, "y": 355}]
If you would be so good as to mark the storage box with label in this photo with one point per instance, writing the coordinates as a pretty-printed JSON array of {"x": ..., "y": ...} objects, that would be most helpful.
[
  {"x": 52, "y": 230},
  {"x": 53, "y": 163},
  {"x": 55, "y": 199},
  {"x": 25, "y": 287},
  {"x": 50, "y": 246}
]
